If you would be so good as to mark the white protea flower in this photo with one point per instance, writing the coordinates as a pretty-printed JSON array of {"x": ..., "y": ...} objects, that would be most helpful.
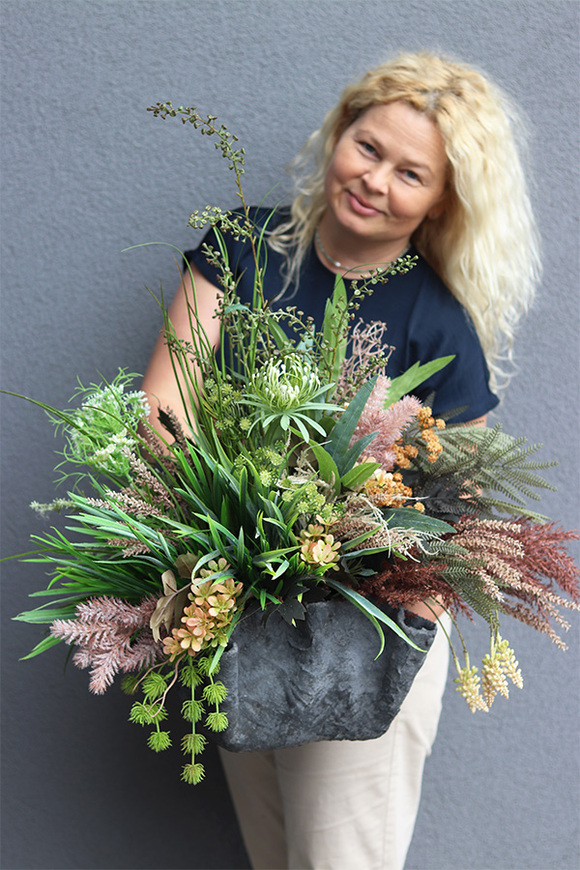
[
  {"x": 287, "y": 383},
  {"x": 287, "y": 392}
]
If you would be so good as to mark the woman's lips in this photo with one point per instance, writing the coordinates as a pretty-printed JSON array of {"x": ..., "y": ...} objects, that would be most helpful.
[{"x": 360, "y": 206}]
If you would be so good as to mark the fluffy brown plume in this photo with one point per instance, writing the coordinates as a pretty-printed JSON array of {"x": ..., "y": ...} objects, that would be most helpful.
[{"x": 522, "y": 565}]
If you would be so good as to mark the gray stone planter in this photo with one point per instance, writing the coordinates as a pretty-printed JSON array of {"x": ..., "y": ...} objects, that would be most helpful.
[{"x": 316, "y": 681}]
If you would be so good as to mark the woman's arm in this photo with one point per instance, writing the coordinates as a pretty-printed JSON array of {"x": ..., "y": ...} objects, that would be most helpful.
[{"x": 160, "y": 383}]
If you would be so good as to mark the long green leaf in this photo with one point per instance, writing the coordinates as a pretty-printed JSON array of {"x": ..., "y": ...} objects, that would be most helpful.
[
  {"x": 41, "y": 647},
  {"x": 40, "y": 616},
  {"x": 327, "y": 467},
  {"x": 369, "y": 609},
  {"x": 414, "y": 376},
  {"x": 359, "y": 474},
  {"x": 358, "y": 448},
  {"x": 345, "y": 546},
  {"x": 338, "y": 443}
]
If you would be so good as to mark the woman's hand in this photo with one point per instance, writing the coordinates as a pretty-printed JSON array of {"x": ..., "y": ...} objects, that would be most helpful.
[{"x": 431, "y": 608}]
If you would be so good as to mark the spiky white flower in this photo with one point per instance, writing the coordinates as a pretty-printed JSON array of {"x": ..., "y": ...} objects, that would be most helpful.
[{"x": 287, "y": 383}]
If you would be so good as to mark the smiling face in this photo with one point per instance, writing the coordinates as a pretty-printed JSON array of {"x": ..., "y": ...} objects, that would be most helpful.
[{"x": 387, "y": 174}]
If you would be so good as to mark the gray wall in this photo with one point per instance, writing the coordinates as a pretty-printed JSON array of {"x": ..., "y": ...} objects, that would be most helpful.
[{"x": 88, "y": 172}]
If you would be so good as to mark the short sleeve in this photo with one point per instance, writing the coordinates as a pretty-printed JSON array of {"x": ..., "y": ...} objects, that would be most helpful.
[
  {"x": 461, "y": 389},
  {"x": 239, "y": 254}
]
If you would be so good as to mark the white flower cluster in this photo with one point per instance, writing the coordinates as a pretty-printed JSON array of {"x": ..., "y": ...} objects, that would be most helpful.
[{"x": 103, "y": 431}]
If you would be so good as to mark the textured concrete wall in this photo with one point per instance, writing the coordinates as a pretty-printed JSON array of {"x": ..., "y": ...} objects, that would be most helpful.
[{"x": 87, "y": 172}]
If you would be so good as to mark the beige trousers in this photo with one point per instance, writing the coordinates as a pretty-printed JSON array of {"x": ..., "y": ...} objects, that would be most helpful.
[{"x": 341, "y": 805}]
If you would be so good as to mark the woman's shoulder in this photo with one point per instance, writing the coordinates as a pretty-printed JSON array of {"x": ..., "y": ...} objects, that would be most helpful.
[
  {"x": 434, "y": 303},
  {"x": 426, "y": 280},
  {"x": 417, "y": 297}
]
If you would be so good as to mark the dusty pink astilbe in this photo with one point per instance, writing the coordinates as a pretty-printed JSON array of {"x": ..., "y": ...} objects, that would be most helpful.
[
  {"x": 102, "y": 631},
  {"x": 389, "y": 424}
]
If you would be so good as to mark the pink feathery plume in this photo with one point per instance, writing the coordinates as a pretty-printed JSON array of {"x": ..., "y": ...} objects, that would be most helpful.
[
  {"x": 388, "y": 423},
  {"x": 104, "y": 632}
]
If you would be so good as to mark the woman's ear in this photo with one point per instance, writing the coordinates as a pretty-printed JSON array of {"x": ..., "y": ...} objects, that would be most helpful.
[
  {"x": 439, "y": 207},
  {"x": 436, "y": 211}
]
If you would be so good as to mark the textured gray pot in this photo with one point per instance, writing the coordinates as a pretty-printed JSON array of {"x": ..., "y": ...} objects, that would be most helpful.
[{"x": 318, "y": 680}]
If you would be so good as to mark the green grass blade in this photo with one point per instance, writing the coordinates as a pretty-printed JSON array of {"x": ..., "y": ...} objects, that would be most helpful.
[{"x": 369, "y": 609}]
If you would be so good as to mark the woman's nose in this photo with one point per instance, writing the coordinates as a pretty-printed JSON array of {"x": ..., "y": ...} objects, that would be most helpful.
[{"x": 378, "y": 178}]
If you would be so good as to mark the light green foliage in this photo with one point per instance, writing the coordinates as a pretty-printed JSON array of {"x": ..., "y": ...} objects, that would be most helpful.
[
  {"x": 189, "y": 675},
  {"x": 154, "y": 685},
  {"x": 129, "y": 683},
  {"x": 193, "y": 773},
  {"x": 148, "y": 713},
  {"x": 193, "y": 744},
  {"x": 192, "y": 710},
  {"x": 159, "y": 740},
  {"x": 217, "y": 721},
  {"x": 308, "y": 500},
  {"x": 102, "y": 432},
  {"x": 215, "y": 693}
]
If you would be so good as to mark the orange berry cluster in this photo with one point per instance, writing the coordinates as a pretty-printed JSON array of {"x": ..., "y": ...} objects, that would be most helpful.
[
  {"x": 428, "y": 424},
  {"x": 404, "y": 454},
  {"x": 386, "y": 489}
]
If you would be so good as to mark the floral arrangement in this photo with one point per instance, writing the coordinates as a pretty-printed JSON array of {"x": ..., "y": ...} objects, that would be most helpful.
[{"x": 303, "y": 472}]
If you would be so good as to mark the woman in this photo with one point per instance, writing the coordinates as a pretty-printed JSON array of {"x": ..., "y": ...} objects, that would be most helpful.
[{"x": 419, "y": 157}]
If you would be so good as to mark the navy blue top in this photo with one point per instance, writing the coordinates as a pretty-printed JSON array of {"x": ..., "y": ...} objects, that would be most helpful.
[{"x": 424, "y": 320}]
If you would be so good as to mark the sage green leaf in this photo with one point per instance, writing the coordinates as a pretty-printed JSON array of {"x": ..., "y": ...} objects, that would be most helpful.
[
  {"x": 409, "y": 518},
  {"x": 359, "y": 474},
  {"x": 334, "y": 332},
  {"x": 185, "y": 563},
  {"x": 327, "y": 467},
  {"x": 358, "y": 448},
  {"x": 169, "y": 582}
]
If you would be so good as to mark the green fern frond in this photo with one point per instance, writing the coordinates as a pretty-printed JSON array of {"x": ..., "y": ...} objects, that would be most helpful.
[{"x": 492, "y": 468}]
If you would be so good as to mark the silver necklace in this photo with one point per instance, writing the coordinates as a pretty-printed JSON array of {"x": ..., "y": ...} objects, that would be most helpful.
[{"x": 338, "y": 265}]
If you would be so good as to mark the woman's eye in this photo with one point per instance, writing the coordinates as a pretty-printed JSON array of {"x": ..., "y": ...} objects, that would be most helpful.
[
  {"x": 366, "y": 146},
  {"x": 410, "y": 175}
]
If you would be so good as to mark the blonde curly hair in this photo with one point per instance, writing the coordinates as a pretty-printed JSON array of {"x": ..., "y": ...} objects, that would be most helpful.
[{"x": 485, "y": 244}]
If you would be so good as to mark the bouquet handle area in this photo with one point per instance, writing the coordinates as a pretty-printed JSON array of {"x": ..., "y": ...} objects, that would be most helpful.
[{"x": 318, "y": 679}]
